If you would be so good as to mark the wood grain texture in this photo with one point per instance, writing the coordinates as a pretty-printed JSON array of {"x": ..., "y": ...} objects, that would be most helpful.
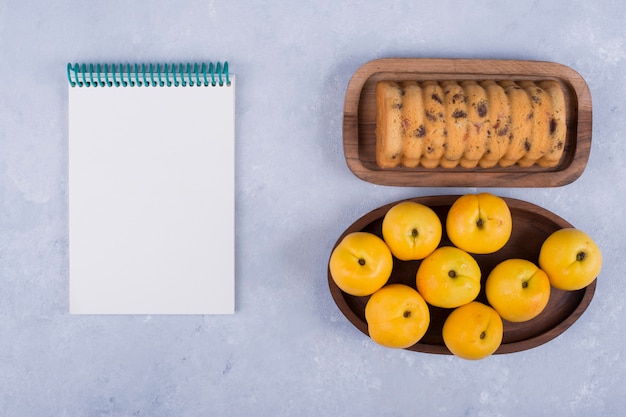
[
  {"x": 359, "y": 122},
  {"x": 531, "y": 226}
]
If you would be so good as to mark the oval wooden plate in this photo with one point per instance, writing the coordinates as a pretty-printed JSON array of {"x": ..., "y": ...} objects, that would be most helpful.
[
  {"x": 359, "y": 122},
  {"x": 531, "y": 226}
]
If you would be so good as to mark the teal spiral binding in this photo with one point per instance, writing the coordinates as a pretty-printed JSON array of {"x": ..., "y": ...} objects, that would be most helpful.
[{"x": 148, "y": 75}]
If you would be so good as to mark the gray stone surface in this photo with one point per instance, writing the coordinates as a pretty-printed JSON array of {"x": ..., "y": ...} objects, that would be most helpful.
[{"x": 288, "y": 350}]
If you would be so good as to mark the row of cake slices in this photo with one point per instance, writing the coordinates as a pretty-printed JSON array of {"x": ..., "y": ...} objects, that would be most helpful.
[{"x": 469, "y": 123}]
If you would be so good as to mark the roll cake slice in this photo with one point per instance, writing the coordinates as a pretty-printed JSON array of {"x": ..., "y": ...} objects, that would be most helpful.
[
  {"x": 558, "y": 124},
  {"x": 388, "y": 124},
  {"x": 499, "y": 124},
  {"x": 521, "y": 124},
  {"x": 435, "y": 124},
  {"x": 477, "y": 110},
  {"x": 412, "y": 124},
  {"x": 455, "y": 108},
  {"x": 542, "y": 116}
]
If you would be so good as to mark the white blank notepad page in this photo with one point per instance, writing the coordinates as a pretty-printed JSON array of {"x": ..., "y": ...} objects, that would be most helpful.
[{"x": 151, "y": 200}]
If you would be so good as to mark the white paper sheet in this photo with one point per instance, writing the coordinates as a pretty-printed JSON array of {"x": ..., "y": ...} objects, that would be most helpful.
[{"x": 151, "y": 200}]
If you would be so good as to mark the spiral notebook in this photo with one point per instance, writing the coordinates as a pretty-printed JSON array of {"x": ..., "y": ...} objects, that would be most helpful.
[{"x": 151, "y": 189}]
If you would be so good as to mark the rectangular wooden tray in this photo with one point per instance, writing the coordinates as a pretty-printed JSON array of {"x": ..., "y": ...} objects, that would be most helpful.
[{"x": 359, "y": 122}]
